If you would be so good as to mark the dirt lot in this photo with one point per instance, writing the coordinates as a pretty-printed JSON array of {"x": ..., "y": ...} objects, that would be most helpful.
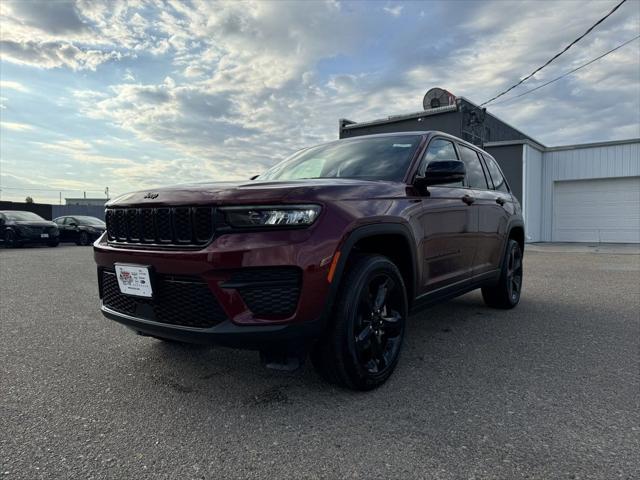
[{"x": 548, "y": 390}]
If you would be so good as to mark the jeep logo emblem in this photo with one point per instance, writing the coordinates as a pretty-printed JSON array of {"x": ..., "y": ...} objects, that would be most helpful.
[{"x": 151, "y": 195}]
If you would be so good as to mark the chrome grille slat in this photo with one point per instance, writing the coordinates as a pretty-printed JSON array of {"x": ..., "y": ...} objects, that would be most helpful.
[{"x": 163, "y": 226}]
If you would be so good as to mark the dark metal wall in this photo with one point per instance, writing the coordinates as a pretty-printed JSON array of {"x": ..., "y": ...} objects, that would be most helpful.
[
  {"x": 468, "y": 123},
  {"x": 42, "y": 209},
  {"x": 49, "y": 212},
  {"x": 509, "y": 157},
  {"x": 448, "y": 122}
]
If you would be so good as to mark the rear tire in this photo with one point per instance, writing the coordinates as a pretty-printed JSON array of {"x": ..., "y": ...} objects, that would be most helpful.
[
  {"x": 506, "y": 293},
  {"x": 84, "y": 239},
  {"x": 362, "y": 344}
]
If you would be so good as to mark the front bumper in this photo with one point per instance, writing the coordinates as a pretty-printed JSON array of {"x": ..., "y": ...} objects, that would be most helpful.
[
  {"x": 217, "y": 266},
  {"x": 281, "y": 338},
  {"x": 35, "y": 237}
]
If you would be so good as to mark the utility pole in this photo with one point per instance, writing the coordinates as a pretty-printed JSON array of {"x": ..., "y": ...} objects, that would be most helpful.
[
  {"x": 106, "y": 192},
  {"x": 60, "y": 200}
]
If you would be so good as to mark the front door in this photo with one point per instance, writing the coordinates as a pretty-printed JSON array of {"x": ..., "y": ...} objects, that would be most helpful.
[{"x": 449, "y": 223}]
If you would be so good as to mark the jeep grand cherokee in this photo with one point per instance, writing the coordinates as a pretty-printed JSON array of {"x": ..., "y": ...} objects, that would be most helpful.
[{"x": 326, "y": 253}]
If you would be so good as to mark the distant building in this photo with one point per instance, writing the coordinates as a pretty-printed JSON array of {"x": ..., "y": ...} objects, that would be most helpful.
[{"x": 91, "y": 202}]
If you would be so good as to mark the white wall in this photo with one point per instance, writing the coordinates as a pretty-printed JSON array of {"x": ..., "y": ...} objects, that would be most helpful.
[
  {"x": 543, "y": 168},
  {"x": 532, "y": 186}
]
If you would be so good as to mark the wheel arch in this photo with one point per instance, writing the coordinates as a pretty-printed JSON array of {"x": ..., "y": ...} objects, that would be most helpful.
[{"x": 393, "y": 240}]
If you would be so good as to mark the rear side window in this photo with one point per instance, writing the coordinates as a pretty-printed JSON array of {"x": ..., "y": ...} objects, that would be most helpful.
[
  {"x": 475, "y": 175},
  {"x": 499, "y": 182}
]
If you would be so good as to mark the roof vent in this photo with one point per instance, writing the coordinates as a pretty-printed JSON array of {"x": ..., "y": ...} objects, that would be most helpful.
[{"x": 438, "y": 97}]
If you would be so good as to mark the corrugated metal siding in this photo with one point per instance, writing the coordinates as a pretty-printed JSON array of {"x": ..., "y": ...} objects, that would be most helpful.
[
  {"x": 584, "y": 163},
  {"x": 532, "y": 182}
]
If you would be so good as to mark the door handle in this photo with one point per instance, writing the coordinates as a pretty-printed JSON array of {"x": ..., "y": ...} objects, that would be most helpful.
[
  {"x": 468, "y": 199},
  {"x": 500, "y": 201}
]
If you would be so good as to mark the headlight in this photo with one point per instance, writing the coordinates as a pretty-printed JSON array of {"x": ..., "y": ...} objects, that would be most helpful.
[{"x": 270, "y": 216}]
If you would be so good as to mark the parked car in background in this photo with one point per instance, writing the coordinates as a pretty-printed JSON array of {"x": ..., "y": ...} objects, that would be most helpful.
[
  {"x": 326, "y": 252},
  {"x": 81, "y": 229},
  {"x": 20, "y": 228}
]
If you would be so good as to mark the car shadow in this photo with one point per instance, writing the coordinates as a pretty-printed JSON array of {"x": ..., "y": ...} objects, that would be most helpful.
[{"x": 237, "y": 376}]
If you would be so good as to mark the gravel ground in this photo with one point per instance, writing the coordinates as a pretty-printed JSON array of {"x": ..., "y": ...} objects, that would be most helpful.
[{"x": 548, "y": 390}]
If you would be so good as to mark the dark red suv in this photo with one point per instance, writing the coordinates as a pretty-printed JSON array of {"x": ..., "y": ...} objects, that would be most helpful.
[{"x": 325, "y": 253}]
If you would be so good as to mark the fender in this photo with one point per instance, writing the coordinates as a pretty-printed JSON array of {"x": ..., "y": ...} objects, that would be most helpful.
[
  {"x": 513, "y": 223},
  {"x": 346, "y": 246}
]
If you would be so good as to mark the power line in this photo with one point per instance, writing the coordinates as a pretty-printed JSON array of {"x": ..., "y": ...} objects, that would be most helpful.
[
  {"x": 569, "y": 72},
  {"x": 556, "y": 55}
]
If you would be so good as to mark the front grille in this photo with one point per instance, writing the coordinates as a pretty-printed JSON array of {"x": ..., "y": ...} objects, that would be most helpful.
[
  {"x": 169, "y": 226},
  {"x": 184, "y": 301},
  {"x": 271, "y": 291}
]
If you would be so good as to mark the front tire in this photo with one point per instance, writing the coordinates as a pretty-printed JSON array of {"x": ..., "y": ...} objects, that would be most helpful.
[
  {"x": 506, "y": 293},
  {"x": 10, "y": 240},
  {"x": 362, "y": 345}
]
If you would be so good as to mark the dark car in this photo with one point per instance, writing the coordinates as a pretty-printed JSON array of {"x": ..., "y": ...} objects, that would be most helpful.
[
  {"x": 80, "y": 229},
  {"x": 20, "y": 228},
  {"x": 327, "y": 252}
]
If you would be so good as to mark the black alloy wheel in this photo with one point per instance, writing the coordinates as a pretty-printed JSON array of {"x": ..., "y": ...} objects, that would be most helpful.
[
  {"x": 514, "y": 273},
  {"x": 506, "y": 292},
  {"x": 84, "y": 239},
  {"x": 361, "y": 346},
  {"x": 379, "y": 325},
  {"x": 10, "y": 239}
]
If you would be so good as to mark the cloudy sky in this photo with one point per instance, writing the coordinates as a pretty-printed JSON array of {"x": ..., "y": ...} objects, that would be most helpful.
[{"x": 139, "y": 93}]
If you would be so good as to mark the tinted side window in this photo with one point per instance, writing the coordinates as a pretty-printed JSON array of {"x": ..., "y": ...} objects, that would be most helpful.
[
  {"x": 69, "y": 221},
  {"x": 438, "y": 150},
  {"x": 475, "y": 175},
  {"x": 496, "y": 175}
]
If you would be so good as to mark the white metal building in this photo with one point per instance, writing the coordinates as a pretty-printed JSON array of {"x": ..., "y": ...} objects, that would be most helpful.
[{"x": 580, "y": 193}]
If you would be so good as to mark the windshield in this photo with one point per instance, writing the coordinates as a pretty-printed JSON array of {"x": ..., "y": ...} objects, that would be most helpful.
[
  {"x": 24, "y": 217},
  {"x": 379, "y": 158},
  {"x": 96, "y": 222}
]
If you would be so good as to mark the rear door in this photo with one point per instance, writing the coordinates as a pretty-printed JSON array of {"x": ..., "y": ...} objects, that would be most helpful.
[
  {"x": 449, "y": 225},
  {"x": 495, "y": 208}
]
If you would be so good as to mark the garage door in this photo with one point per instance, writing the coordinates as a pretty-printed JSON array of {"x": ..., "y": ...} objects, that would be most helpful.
[{"x": 603, "y": 210}]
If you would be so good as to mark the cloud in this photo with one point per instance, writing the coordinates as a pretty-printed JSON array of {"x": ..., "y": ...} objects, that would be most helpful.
[
  {"x": 10, "y": 85},
  {"x": 55, "y": 17},
  {"x": 16, "y": 127},
  {"x": 394, "y": 11},
  {"x": 54, "y": 54},
  {"x": 223, "y": 90}
]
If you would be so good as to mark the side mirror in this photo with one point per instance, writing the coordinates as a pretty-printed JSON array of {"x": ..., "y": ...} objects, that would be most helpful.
[
  {"x": 254, "y": 177},
  {"x": 73, "y": 224},
  {"x": 441, "y": 172}
]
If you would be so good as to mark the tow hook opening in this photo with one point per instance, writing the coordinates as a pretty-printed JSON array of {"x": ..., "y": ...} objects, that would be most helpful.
[{"x": 282, "y": 361}]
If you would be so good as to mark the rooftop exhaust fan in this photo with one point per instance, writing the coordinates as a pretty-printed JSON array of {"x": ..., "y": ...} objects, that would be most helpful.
[{"x": 438, "y": 97}]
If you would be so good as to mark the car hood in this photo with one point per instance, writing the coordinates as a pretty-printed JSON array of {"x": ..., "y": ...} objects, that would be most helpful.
[
  {"x": 257, "y": 192},
  {"x": 34, "y": 223}
]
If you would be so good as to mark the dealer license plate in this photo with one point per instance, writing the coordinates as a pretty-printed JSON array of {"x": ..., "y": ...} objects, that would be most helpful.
[{"x": 134, "y": 280}]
